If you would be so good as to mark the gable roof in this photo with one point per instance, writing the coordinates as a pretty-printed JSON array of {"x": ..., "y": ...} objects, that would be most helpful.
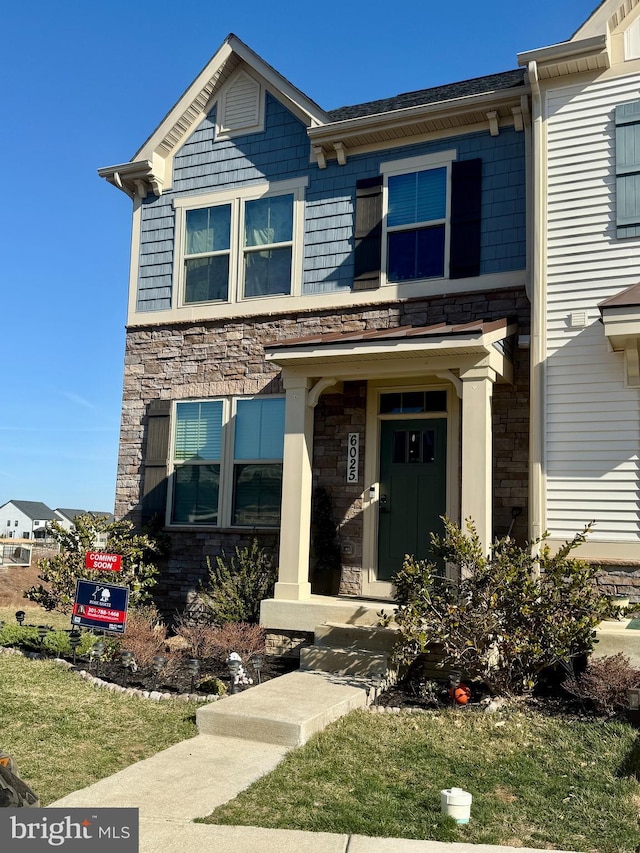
[
  {"x": 488, "y": 101},
  {"x": 35, "y": 510},
  {"x": 433, "y": 95},
  {"x": 72, "y": 514},
  {"x": 151, "y": 164}
]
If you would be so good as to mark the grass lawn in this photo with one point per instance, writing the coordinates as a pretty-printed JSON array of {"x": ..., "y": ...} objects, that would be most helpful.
[
  {"x": 65, "y": 734},
  {"x": 36, "y": 616},
  {"x": 536, "y": 781}
]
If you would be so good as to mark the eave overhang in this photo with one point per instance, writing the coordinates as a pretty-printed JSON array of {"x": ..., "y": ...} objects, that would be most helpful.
[
  {"x": 335, "y": 140},
  {"x": 621, "y": 319},
  {"x": 569, "y": 57},
  {"x": 139, "y": 177},
  {"x": 402, "y": 351}
]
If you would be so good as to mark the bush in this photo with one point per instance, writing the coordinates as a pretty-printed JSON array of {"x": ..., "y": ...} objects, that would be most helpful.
[
  {"x": 512, "y": 615},
  {"x": 604, "y": 684},
  {"x": 61, "y": 571},
  {"x": 55, "y": 642},
  {"x": 144, "y": 636},
  {"x": 199, "y": 635},
  {"x": 236, "y": 585},
  {"x": 246, "y": 640}
]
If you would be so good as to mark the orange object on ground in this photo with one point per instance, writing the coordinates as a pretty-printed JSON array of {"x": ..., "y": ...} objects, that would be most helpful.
[{"x": 460, "y": 694}]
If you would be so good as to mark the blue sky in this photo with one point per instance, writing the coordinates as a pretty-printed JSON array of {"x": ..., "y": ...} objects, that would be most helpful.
[{"x": 82, "y": 86}]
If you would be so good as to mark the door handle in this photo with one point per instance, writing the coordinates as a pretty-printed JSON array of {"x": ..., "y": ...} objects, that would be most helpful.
[{"x": 384, "y": 503}]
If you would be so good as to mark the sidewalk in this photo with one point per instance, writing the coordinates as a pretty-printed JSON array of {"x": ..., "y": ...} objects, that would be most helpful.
[{"x": 190, "y": 779}]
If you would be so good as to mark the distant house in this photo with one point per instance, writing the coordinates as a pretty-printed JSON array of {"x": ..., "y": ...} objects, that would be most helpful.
[
  {"x": 66, "y": 518},
  {"x": 25, "y": 520}
]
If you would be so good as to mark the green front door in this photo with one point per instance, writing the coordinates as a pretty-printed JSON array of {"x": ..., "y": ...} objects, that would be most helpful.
[{"x": 413, "y": 464}]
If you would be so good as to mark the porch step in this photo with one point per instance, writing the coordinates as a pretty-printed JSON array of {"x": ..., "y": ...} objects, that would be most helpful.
[
  {"x": 345, "y": 636},
  {"x": 287, "y": 710},
  {"x": 352, "y": 662}
]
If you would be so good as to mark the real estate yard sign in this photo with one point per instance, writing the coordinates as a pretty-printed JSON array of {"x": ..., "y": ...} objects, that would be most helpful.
[
  {"x": 100, "y": 605},
  {"x": 99, "y": 561}
]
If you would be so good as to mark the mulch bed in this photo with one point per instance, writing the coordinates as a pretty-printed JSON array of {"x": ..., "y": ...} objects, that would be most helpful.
[{"x": 176, "y": 679}]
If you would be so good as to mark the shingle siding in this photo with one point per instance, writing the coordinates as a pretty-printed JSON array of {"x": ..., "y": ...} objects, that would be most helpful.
[{"x": 205, "y": 164}]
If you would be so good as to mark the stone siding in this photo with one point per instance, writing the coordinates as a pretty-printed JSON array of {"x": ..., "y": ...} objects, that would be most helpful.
[{"x": 220, "y": 358}]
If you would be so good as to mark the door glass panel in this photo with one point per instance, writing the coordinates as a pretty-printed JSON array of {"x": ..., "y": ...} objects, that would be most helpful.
[
  {"x": 429, "y": 445},
  {"x": 399, "y": 446},
  {"x": 414, "y": 445}
]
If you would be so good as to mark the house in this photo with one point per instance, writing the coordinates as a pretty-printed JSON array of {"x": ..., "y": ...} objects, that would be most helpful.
[
  {"x": 24, "y": 519},
  {"x": 585, "y": 343},
  {"x": 326, "y": 298},
  {"x": 67, "y": 517}
]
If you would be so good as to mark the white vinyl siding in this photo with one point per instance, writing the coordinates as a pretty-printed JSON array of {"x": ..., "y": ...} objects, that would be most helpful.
[{"x": 592, "y": 438}]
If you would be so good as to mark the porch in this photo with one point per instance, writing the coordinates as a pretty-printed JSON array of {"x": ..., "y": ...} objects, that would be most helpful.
[{"x": 462, "y": 363}]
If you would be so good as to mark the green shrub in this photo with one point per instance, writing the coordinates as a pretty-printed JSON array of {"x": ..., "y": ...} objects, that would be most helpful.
[
  {"x": 60, "y": 572},
  {"x": 512, "y": 614},
  {"x": 20, "y": 636},
  {"x": 212, "y": 685},
  {"x": 236, "y": 585},
  {"x": 55, "y": 642}
]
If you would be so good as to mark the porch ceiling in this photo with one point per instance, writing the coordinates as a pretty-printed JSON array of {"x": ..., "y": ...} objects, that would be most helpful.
[{"x": 397, "y": 351}]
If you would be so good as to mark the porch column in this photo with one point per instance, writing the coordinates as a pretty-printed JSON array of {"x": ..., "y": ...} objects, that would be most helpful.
[
  {"x": 295, "y": 523},
  {"x": 477, "y": 435}
]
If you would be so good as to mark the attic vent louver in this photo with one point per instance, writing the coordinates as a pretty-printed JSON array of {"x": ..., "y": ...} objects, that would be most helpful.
[{"x": 241, "y": 106}]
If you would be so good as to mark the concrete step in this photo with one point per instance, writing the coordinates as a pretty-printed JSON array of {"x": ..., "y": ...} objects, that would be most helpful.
[
  {"x": 615, "y": 637},
  {"x": 344, "y": 662},
  {"x": 344, "y": 636},
  {"x": 287, "y": 710}
]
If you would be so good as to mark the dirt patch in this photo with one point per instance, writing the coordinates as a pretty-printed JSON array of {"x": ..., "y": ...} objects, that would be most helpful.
[{"x": 14, "y": 580}]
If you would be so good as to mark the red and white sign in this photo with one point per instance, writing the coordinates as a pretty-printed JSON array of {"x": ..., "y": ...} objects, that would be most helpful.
[{"x": 98, "y": 562}]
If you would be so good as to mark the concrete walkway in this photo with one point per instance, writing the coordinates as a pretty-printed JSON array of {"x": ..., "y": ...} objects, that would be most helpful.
[{"x": 193, "y": 777}]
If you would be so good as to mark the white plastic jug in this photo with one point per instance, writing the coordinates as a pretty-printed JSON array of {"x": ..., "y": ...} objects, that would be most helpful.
[{"x": 456, "y": 803}]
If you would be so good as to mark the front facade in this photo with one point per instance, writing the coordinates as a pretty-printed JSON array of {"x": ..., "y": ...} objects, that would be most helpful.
[
  {"x": 335, "y": 300},
  {"x": 25, "y": 519},
  {"x": 585, "y": 447}
]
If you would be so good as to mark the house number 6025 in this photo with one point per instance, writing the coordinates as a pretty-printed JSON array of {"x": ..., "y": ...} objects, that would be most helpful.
[{"x": 353, "y": 455}]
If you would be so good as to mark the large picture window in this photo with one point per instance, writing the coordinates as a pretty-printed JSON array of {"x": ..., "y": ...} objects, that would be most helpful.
[
  {"x": 227, "y": 462},
  {"x": 240, "y": 244}
]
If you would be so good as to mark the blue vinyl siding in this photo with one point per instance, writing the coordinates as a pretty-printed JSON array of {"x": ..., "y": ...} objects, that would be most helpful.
[{"x": 281, "y": 152}]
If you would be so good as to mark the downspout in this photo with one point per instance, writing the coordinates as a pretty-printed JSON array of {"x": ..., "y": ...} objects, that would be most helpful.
[{"x": 537, "y": 495}]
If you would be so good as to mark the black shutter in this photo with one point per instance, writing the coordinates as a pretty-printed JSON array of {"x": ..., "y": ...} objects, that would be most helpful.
[
  {"x": 154, "y": 483},
  {"x": 466, "y": 196},
  {"x": 368, "y": 234}
]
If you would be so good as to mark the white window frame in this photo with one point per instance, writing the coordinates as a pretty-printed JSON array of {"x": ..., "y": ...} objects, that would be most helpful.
[
  {"x": 227, "y": 463},
  {"x": 407, "y": 165},
  {"x": 237, "y": 198}
]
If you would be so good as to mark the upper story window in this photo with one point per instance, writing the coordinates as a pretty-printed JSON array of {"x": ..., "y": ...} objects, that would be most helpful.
[
  {"x": 240, "y": 244},
  {"x": 416, "y": 224},
  {"x": 419, "y": 220},
  {"x": 417, "y": 206}
]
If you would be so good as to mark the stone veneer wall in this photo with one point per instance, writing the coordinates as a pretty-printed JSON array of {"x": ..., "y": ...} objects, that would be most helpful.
[{"x": 219, "y": 358}]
